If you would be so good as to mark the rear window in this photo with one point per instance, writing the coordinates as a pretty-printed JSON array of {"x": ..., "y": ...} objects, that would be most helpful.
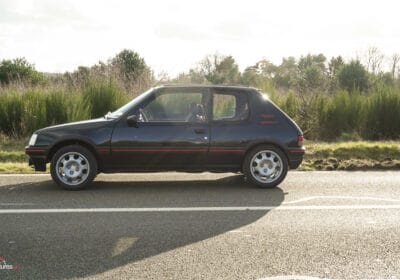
[{"x": 230, "y": 107}]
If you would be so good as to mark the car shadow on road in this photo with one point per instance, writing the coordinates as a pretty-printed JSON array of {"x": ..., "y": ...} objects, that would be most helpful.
[{"x": 67, "y": 245}]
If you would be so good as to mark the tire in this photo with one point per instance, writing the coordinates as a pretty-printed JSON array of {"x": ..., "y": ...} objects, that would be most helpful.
[
  {"x": 80, "y": 164},
  {"x": 265, "y": 166}
]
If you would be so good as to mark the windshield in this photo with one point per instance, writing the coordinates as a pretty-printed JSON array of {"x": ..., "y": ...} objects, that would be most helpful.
[{"x": 119, "y": 112}]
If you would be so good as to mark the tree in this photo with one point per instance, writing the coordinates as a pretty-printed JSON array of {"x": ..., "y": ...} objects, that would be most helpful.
[
  {"x": 19, "y": 69},
  {"x": 130, "y": 68},
  {"x": 220, "y": 69},
  {"x": 374, "y": 59},
  {"x": 264, "y": 70},
  {"x": 312, "y": 73},
  {"x": 287, "y": 73},
  {"x": 334, "y": 66},
  {"x": 394, "y": 64},
  {"x": 386, "y": 79},
  {"x": 353, "y": 76},
  {"x": 194, "y": 76},
  {"x": 310, "y": 60},
  {"x": 130, "y": 64},
  {"x": 250, "y": 76},
  {"x": 312, "y": 78}
]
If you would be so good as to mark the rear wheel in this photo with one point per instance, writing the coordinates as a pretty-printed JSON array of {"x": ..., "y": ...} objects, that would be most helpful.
[
  {"x": 265, "y": 166},
  {"x": 73, "y": 167}
]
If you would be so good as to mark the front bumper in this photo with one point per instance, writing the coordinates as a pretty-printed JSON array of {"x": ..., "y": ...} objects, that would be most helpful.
[{"x": 37, "y": 157}]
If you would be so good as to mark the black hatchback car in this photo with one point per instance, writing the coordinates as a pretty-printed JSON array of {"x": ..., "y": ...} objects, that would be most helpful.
[{"x": 175, "y": 128}]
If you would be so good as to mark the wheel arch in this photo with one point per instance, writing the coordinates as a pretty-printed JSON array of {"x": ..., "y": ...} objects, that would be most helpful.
[
  {"x": 263, "y": 143},
  {"x": 67, "y": 142}
]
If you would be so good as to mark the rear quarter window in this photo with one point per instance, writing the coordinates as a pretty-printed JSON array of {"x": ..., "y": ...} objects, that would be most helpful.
[{"x": 230, "y": 107}]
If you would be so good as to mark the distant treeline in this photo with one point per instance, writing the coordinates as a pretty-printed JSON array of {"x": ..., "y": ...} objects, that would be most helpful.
[{"x": 330, "y": 99}]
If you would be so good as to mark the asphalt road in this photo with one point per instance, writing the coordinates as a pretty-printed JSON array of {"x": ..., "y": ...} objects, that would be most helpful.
[{"x": 202, "y": 226}]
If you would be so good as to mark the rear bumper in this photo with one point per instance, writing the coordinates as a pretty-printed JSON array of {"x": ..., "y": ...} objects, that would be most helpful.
[
  {"x": 295, "y": 156},
  {"x": 37, "y": 158}
]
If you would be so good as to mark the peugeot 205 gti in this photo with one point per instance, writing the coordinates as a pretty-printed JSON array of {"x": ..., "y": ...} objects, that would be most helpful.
[{"x": 175, "y": 128}]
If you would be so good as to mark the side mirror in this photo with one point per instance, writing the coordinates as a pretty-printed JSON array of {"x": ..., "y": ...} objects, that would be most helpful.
[{"x": 132, "y": 120}]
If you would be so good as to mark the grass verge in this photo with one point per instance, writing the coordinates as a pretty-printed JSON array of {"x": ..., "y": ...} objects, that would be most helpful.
[
  {"x": 16, "y": 168},
  {"x": 359, "y": 155}
]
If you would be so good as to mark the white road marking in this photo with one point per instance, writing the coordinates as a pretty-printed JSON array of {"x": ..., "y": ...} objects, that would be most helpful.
[
  {"x": 15, "y": 203},
  {"x": 26, "y": 175},
  {"x": 292, "y": 277},
  {"x": 308, "y": 198},
  {"x": 300, "y": 277},
  {"x": 199, "y": 209}
]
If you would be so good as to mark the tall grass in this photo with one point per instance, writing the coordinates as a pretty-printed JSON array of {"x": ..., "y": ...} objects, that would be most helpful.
[
  {"x": 375, "y": 116},
  {"x": 11, "y": 113},
  {"x": 342, "y": 115},
  {"x": 102, "y": 97},
  {"x": 24, "y": 110}
]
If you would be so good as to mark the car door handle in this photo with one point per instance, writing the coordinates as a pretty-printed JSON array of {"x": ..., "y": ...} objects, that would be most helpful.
[{"x": 199, "y": 130}]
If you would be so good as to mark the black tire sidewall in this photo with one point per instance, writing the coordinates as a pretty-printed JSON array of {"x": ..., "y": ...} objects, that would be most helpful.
[
  {"x": 247, "y": 163},
  {"x": 79, "y": 149}
]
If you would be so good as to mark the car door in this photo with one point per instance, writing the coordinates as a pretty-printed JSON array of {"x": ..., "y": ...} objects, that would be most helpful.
[
  {"x": 172, "y": 132},
  {"x": 230, "y": 131}
]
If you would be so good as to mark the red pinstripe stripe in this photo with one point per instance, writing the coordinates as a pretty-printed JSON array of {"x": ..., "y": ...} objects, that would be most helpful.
[
  {"x": 35, "y": 151},
  {"x": 297, "y": 151},
  {"x": 159, "y": 150},
  {"x": 268, "y": 122},
  {"x": 226, "y": 151},
  {"x": 267, "y": 116},
  {"x": 178, "y": 150}
]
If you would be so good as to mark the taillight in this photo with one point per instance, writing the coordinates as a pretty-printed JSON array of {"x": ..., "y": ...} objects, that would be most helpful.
[{"x": 300, "y": 140}]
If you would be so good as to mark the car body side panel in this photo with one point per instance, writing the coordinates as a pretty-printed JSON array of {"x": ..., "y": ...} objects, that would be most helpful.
[{"x": 159, "y": 146}]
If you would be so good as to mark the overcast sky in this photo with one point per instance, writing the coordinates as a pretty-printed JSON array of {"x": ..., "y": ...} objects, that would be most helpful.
[{"x": 174, "y": 35}]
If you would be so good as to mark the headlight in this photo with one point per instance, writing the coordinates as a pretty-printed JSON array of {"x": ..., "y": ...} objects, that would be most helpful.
[{"x": 32, "y": 141}]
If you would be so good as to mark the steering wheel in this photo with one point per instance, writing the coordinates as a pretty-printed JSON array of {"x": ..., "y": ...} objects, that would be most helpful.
[{"x": 145, "y": 118}]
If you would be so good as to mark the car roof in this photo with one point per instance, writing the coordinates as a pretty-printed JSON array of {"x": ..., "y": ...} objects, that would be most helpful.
[{"x": 237, "y": 87}]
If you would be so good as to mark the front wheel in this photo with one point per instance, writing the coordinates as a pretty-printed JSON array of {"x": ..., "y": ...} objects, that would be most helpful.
[
  {"x": 265, "y": 166},
  {"x": 73, "y": 167}
]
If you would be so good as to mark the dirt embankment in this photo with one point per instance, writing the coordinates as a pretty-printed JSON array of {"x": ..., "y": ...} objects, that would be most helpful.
[{"x": 354, "y": 164}]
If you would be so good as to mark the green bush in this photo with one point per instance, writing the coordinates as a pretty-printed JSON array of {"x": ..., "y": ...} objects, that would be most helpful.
[
  {"x": 383, "y": 118},
  {"x": 19, "y": 70},
  {"x": 344, "y": 113}
]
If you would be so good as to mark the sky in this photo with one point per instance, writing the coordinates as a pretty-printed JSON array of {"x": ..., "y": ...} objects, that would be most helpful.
[{"x": 174, "y": 35}]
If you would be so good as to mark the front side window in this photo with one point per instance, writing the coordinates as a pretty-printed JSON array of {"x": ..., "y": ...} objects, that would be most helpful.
[
  {"x": 230, "y": 107},
  {"x": 174, "y": 107}
]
